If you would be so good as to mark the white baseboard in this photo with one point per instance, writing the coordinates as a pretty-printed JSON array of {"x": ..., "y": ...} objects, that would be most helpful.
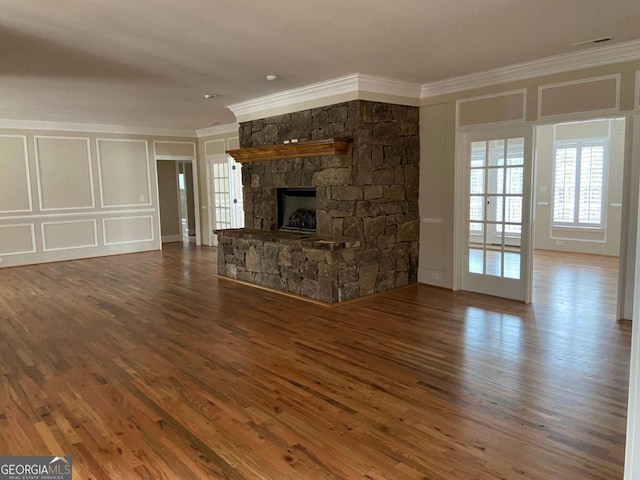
[{"x": 171, "y": 238}]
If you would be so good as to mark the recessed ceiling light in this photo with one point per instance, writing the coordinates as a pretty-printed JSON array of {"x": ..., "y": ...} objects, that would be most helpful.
[
  {"x": 271, "y": 77},
  {"x": 210, "y": 96}
]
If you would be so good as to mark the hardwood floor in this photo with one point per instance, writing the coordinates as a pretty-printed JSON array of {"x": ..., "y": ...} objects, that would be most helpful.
[{"x": 148, "y": 366}]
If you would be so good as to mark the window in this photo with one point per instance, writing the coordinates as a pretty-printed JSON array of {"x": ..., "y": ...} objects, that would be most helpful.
[
  {"x": 496, "y": 184},
  {"x": 578, "y": 184}
]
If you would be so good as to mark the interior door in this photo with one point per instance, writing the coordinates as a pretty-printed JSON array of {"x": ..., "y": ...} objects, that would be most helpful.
[
  {"x": 235, "y": 191},
  {"x": 497, "y": 170},
  {"x": 219, "y": 195}
]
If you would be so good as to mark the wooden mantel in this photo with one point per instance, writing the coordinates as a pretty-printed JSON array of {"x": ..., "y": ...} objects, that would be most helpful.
[{"x": 312, "y": 148}]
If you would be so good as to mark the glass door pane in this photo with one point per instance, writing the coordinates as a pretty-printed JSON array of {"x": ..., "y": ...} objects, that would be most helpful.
[
  {"x": 496, "y": 172},
  {"x": 221, "y": 195}
]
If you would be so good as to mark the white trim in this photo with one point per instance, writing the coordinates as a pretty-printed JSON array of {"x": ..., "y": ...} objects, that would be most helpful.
[
  {"x": 229, "y": 142},
  {"x": 176, "y": 178},
  {"x": 632, "y": 450},
  {"x": 196, "y": 193},
  {"x": 74, "y": 214},
  {"x": 572, "y": 115},
  {"x": 156, "y": 210},
  {"x": 580, "y": 240},
  {"x": 354, "y": 84},
  {"x": 461, "y": 186},
  {"x": 621, "y": 52},
  {"x": 388, "y": 86},
  {"x": 33, "y": 238},
  {"x": 28, "y": 174},
  {"x": 104, "y": 230},
  {"x": 196, "y": 201},
  {"x": 89, "y": 162},
  {"x": 219, "y": 158},
  {"x": 210, "y": 233},
  {"x": 44, "y": 239},
  {"x": 171, "y": 238},
  {"x": 218, "y": 130},
  {"x": 636, "y": 96},
  {"x": 148, "y": 203},
  {"x": 174, "y": 157},
  {"x": 516, "y": 121},
  {"x": 225, "y": 146},
  {"x": 93, "y": 128},
  {"x": 459, "y": 214}
]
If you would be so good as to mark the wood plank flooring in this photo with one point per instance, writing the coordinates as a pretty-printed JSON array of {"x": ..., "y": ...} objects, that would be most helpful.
[{"x": 147, "y": 366}]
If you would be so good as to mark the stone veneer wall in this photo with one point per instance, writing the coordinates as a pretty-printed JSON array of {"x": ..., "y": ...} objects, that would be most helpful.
[
  {"x": 304, "y": 267},
  {"x": 370, "y": 195}
]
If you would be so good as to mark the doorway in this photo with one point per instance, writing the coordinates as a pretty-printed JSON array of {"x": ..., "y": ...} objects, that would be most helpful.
[
  {"x": 187, "y": 202},
  {"x": 570, "y": 205},
  {"x": 176, "y": 199},
  {"x": 578, "y": 206}
]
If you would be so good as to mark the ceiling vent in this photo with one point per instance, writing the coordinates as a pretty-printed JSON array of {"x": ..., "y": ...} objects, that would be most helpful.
[{"x": 593, "y": 41}]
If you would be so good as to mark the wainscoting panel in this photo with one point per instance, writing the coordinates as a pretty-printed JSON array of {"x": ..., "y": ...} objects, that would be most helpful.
[
  {"x": 123, "y": 168},
  {"x": 214, "y": 147},
  {"x": 594, "y": 96},
  {"x": 17, "y": 239},
  {"x": 124, "y": 230},
  {"x": 15, "y": 183},
  {"x": 65, "y": 178},
  {"x": 507, "y": 107},
  {"x": 69, "y": 234},
  {"x": 175, "y": 149}
]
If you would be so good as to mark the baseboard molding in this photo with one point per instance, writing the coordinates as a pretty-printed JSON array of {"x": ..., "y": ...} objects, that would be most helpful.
[{"x": 171, "y": 238}]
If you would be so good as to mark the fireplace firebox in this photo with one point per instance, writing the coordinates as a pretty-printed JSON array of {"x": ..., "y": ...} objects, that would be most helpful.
[{"x": 297, "y": 209}]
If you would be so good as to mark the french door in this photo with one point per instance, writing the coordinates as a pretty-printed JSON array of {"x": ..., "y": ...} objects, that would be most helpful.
[
  {"x": 225, "y": 197},
  {"x": 497, "y": 172}
]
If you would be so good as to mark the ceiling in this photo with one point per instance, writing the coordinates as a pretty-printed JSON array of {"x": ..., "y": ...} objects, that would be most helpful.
[{"x": 147, "y": 63}]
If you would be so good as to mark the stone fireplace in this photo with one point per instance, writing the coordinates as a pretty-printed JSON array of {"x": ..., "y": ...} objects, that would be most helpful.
[
  {"x": 297, "y": 209},
  {"x": 366, "y": 204}
]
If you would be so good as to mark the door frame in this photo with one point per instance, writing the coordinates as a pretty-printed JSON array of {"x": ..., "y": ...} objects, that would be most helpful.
[
  {"x": 209, "y": 160},
  {"x": 196, "y": 195},
  {"x": 460, "y": 223},
  {"x": 221, "y": 158}
]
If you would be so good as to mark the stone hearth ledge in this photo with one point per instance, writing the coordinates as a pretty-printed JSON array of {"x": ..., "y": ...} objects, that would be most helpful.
[
  {"x": 309, "y": 265},
  {"x": 305, "y": 240}
]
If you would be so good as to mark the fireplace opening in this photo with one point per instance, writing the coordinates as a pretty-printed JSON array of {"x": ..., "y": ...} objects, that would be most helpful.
[{"x": 297, "y": 209}]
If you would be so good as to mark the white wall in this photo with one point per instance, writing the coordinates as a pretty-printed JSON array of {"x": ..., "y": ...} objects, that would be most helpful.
[
  {"x": 632, "y": 457},
  {"x": 612, "y": 91},
  {"x": 598, "y": 241},
  {"x": 67, "y": 195}
]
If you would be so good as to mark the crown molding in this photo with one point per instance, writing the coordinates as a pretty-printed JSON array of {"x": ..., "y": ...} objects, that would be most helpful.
[
  {"x": 218, "y": 130},
  {"x": 353, "y": 84},
  {"x": 335, "y": 86},
  {"x": 93, "y": 128},
  {"x": 388, "y": 86},
  {"x": 622, "y": 52}
]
